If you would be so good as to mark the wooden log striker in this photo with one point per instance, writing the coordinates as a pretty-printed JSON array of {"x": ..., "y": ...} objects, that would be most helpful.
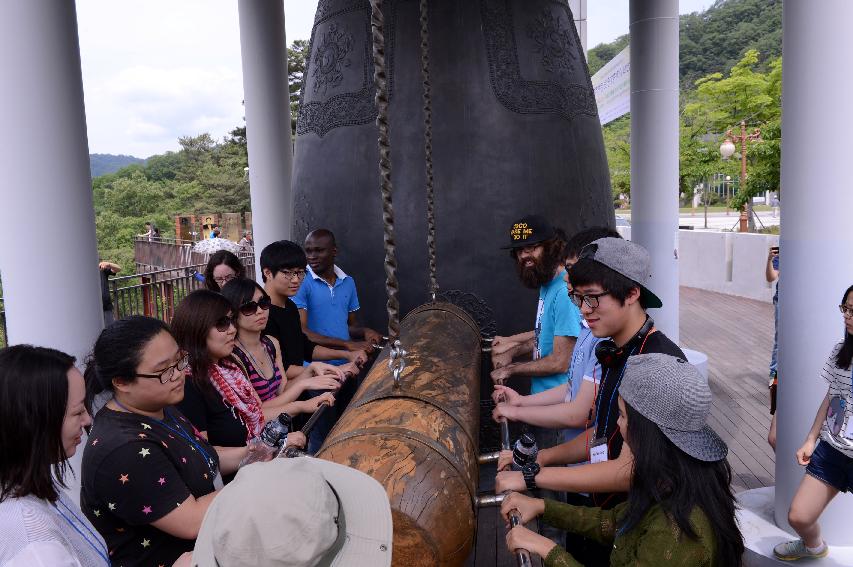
[{"x": 420, "y": 441}]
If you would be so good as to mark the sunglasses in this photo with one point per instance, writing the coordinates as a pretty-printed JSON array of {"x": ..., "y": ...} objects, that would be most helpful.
[
  {"x": 251, "y": 307},
  {"x": 224, "y": 322}
]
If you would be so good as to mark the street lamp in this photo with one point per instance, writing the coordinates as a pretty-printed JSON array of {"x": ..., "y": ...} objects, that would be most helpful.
[{"x": 727, "y": 150}]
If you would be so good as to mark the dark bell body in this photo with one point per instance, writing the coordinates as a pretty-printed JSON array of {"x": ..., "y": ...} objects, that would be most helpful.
[{"x": 515, "y": 131}]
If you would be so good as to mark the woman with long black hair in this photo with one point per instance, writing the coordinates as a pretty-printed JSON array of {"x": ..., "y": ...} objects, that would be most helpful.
[
  {"x": 219, "y": 398},
  {"x": 261, "y": 356},
  {"x": 680, "y": 508},
  {"x": 42, "y": 416},
  {"x": 829, "y": 464},
  {"x": 147, "y": 474}
]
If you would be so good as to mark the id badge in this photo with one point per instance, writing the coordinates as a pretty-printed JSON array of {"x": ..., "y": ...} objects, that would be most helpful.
[{"x": 598, "y": 450}]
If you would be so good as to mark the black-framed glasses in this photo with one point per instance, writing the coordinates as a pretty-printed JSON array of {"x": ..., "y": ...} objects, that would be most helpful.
[
  {"x": 224, "y": 322},
  {"x": 251, "y": 307},
  {"x": 591, "y": 299},
  {"x": 171, "y": 372},
  {"x": 225, "y": 279},
  {"x": 846, "y": 311},
  {"x": 294, "y": 274}
]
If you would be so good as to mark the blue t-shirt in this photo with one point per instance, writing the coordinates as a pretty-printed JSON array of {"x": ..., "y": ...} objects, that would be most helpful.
[
  {"x": 584, "y": 367},
  {"x": 557, "y": 316},
  {"x": 328, "y": 306}
]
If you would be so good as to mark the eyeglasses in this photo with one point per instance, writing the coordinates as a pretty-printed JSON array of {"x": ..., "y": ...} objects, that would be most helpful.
[
  {"x": 224, "y": 279},
  {"x": 224, "y": 322},
  {"x": 251, "y": 307},
  {"x": 591, "y": 299},
  {"x": 171, "y": 373},
  {"x": 293, "y": 274},
  {"x": 846, "y": 311}
]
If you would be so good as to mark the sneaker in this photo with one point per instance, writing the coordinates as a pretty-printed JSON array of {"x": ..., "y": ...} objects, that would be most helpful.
[{"x": 794, "y": 550}]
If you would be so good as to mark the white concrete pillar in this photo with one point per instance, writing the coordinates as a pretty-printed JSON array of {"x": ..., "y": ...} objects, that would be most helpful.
[
  {"x": 267, "y": 98},
  {"x": 48, "y": 251},
  {"x": 654, "y": 148},
  {"x": 816, "y": 240},
  {"x": 578, "y": 8}
]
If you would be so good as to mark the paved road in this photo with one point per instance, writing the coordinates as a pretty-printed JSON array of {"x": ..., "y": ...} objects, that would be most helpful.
[{"x": 716, "y": 221}]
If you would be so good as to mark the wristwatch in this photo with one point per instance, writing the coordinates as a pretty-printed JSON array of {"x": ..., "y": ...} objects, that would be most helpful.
[{"x": 529, "y": 472}]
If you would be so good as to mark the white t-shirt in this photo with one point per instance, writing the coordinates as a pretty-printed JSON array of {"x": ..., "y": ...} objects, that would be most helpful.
[
  {"x": 35, "y": 534},
  {"x": 837, "y": 430}
]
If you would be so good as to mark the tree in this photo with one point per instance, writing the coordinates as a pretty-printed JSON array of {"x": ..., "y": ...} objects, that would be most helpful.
[
  {"x": 617, "y": 145},
  {"x": 296, "y": 56},
  {"x": 746, "y": 94},
  {"x": 204, "y": 176}
]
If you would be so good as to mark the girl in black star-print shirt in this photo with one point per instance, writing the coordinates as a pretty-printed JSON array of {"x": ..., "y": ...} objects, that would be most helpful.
[{"x": 147, "y": 475}]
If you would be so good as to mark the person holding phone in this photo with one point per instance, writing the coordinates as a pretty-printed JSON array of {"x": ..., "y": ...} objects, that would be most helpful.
[{"x": 771, "y": 273}]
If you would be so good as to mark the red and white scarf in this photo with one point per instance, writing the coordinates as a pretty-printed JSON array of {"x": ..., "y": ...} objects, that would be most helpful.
[{"x": 237, "y": 391}]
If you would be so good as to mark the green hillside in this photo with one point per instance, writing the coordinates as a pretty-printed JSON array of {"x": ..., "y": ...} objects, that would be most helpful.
[
  {"x": 714, "y": 40},
  {"x": 102, "y": 164}
]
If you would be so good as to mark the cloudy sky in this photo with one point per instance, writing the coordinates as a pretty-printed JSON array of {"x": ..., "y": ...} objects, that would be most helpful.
[{"x": 160, "y": 69}]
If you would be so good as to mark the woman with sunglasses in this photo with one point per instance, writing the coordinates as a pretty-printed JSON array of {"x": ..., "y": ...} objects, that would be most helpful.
[
  {"x": 829, "y": 464},
  {"x": 261, "y": 357},
  {"x": 218, "y": 397},
  {"x": 221, "y": 268},
  {"x": 42, "y": 416},
  {"x": 147, "y": 474}
]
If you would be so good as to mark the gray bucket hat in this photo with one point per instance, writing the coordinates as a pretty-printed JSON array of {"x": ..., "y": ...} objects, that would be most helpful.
[
  {"x": 301, "y": 512},
  {"x": 627, "y": 259},
  {"x": 670, "y": 392}
]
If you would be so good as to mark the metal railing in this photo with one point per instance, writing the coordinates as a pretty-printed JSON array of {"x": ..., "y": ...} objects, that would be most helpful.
[
  {"x": 157, "y": 293},
  {"x": 161, "y": 253}
]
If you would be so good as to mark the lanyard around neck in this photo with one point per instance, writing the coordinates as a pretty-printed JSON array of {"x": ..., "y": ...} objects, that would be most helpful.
[
  {"x": 180, "y": 432},
  {"x": 100, "y": 548}
]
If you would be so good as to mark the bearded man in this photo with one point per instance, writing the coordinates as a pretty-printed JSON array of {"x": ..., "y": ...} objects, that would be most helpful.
[{"x": 538, "y": 252}]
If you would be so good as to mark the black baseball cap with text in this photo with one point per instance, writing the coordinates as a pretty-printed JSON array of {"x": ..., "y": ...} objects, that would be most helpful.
[{"x": 529, "y": 231}]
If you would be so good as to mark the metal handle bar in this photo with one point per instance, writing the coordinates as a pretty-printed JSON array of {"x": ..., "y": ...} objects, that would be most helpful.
[{"x": 291, "y": 452}]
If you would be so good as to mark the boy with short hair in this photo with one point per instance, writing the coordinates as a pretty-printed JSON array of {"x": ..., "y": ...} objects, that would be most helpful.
[
  {"x": 283, "y": 267},
  {"x": 565, "y": 406}
]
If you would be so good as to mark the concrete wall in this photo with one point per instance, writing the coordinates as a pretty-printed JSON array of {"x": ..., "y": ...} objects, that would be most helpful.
[{"x": 726, "y": 262}]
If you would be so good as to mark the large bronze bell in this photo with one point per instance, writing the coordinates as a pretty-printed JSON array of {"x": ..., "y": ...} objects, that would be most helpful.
[{"x": 515, "y": 131}]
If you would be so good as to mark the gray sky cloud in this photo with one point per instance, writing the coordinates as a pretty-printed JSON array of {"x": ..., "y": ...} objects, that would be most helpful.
[{"x": 160, "y": 69}]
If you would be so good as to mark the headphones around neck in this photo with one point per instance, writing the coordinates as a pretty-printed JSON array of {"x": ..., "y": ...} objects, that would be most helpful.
[{"x": 608, "y": 353}]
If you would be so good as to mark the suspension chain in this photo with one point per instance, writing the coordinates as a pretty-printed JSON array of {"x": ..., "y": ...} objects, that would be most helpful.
[
  {"x": 380, "y": 79},
  {"x": 430, "y": 179}
]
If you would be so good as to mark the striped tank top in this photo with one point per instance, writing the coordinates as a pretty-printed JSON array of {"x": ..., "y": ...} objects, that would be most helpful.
[{"x": 266, "y": 389}]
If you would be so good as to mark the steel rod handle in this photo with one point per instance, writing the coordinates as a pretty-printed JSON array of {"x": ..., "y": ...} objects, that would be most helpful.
[{"x": 522, "y": 556}]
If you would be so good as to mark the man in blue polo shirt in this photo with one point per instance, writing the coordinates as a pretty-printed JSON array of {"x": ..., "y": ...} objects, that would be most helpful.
[
  {"x": 328, "y": 300},
  {"x": 328, "y": 306}
]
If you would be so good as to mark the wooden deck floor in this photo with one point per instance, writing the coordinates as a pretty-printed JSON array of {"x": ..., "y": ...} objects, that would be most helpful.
[{"x": 737, "y": 335}]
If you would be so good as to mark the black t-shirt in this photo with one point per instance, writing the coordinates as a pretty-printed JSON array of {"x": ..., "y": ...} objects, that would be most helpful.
[
  {"x": 606, "y": 402},
  {"x": 210, "y": 413},
  {"x": 136, "y": 470},
  {"x": 213, "y": 415},
  {"x": 284, "y": 325}
]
